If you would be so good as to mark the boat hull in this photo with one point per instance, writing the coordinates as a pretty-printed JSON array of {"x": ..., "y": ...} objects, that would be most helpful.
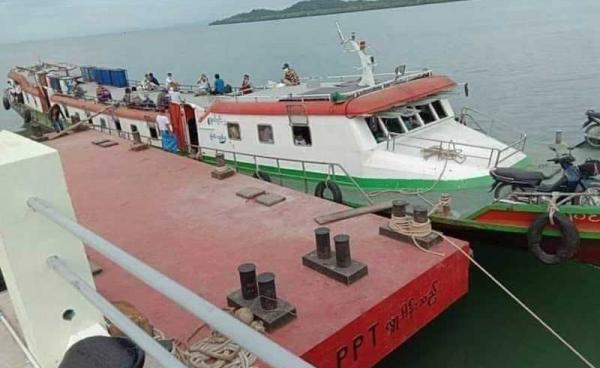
[{"x": 508, "y": 224}]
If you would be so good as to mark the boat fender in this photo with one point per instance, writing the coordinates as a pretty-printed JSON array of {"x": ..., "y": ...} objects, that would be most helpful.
[
  {"x": 6, "y": 103},
  {"x": 568, "y": 246},
  {"x": 262, "y": 176},
  {"x": 332, "y": 186},
  {"x": 27, "y": 116}
]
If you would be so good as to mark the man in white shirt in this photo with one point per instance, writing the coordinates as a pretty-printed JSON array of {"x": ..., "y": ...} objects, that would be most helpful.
[
  {"x": 169, "y": 80},
  {"x": 163, "y": 123}
]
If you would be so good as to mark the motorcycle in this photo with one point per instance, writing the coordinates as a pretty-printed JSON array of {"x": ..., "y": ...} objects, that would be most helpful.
[
  {"x": 592, "y": 128},
  {"x": 574, "y": 179}
]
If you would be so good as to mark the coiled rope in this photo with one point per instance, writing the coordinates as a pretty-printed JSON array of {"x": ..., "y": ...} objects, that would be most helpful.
[{"x": 407, "y": 226}]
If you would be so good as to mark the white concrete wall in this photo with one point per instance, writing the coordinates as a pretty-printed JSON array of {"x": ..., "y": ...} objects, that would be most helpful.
[{"x": 40, "y": 297}]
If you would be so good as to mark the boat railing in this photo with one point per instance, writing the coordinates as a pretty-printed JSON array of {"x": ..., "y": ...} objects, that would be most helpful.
[
  {"x": 335, "y": 171},
  {"x": 494, "y": 156}
]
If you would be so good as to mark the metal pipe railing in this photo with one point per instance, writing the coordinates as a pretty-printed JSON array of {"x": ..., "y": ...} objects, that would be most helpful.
[
  {"x": 248, "y": 338},
  {"x": 31, "y": 359},
  {"x": 139, "y": 336}
]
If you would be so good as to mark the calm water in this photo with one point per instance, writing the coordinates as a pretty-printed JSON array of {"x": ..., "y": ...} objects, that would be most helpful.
[{"x": 533, "y": 64}]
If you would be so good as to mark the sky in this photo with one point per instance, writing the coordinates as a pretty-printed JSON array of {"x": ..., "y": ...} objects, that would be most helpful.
[{"x": 25, "y": 20}]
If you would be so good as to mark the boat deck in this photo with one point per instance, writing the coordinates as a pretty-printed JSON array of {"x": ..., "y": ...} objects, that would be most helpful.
[{"x": 169, "y": 212}]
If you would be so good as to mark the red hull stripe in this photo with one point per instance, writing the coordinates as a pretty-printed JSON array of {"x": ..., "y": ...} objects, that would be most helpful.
[{"x": 370, "y": 103}]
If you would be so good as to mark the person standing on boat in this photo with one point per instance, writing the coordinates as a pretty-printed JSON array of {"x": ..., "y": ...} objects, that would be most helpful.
[
  {"x": 246, "y": 85},
  {"x": 290, "y": 76},
  {"x": 169, "y": 143},
  {"x": 219, "y": 85},
  {"x": 56, "y": 117}
]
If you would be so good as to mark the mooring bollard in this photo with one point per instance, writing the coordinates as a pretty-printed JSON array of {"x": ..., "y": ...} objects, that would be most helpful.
[
  {"x": 221, "y": 171},
  {"x": 420, "y": 215},
  {"x": 323, "y": 241},
  {"x": 399, "y": 208},
  {"x": 266, "y": 290},
  {"x": 248, "y": 280},
  {"x": 342, "y": 250}
]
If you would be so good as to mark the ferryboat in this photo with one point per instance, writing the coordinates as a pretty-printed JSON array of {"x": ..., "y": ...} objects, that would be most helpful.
[{"x": 372, "y": 132}]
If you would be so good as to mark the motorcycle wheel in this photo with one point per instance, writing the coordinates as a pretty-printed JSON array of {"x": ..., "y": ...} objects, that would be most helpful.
[{"x": 592, "y": 136}]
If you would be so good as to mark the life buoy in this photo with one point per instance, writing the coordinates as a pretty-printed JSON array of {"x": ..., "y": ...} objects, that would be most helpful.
[
  {"x": 27, "y": 116},
  {"x": 262, "y": 176},
  {"x": 6, "y": 103},
  {"x": 332, "y": 186},
  {"x": 569, "y": 244}
]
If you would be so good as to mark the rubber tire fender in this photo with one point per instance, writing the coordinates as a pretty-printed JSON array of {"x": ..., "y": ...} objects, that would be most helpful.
[
  {"x": 569, "y": 235},
  {"x": 262, "y": 176},
  {"x": 27, "y": 116},
  {"x": 333, "y": 187},
  {"x": 6, "y": 103}
]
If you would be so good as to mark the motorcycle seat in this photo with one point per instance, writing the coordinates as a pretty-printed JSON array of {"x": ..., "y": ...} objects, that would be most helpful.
[{"x": 517, "y": 175}]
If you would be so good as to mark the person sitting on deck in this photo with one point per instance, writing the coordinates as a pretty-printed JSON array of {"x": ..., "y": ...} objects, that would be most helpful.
[
  {"x": 203, "y": 85},
  {"x": 153, "y": 79},
  {"x": 290, "y": 76},
  {"x": 219, "y": 85},
  {"x": 78, "y": 91},
  {"x": 170, "y": 80},
  {"x": 127, "y": 96},
  {"x": 148, "y": 84},
  {"x": 246, "y": 85},
  {"x": 103, "y": 94}
]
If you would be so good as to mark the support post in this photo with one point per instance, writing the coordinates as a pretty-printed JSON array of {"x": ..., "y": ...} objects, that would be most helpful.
[{"x": 49, "y": 311}]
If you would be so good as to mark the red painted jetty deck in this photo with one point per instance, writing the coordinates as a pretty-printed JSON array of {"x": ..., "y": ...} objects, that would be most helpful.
[{"x": 168, "y": 211}]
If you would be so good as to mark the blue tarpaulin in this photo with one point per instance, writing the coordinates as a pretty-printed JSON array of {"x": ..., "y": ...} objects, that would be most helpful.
[{"x": 169, "y": 143}]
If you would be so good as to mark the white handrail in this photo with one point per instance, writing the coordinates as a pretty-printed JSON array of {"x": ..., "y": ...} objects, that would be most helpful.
[{"x": 248, "y": 338}]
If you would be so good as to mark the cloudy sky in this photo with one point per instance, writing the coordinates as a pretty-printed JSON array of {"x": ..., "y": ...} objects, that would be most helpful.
[{"x": 45, "y": 19}]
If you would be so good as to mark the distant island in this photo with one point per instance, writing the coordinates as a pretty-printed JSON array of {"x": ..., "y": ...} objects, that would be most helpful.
[{"x": 312, "y": 8}]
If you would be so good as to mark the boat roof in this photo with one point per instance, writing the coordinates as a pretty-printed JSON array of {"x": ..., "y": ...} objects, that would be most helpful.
[{"x": 344, "y": 96}]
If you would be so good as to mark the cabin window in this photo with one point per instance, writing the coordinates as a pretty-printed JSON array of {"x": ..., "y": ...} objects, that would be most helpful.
[
  {"x": 103, "y": 122},
  {"x": 66, "y": 110},
  {"x": 153, "y": 131},
  {"x": 26, "y": 97},
  {"x": 301, "y": 135},
  {"x": 118, "y": 124},
  {"x": 233, "y": 131},
  {"x": 426, "y": 114},
  {"x": 134, "y": 128},
  {"x": 75, "y": 118},
  {"x": 376, "y": 129},
  {"x": 411, "y": 122},
  {"x": 393, "y": 125},
  {"x": 439, "y": 109},
  {"x": 265, "y": 134}
]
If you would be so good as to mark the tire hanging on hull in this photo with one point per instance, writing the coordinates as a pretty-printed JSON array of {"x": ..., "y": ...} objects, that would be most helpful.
[
  {"x": 6, "y": 103},
  {"x": 569, "y": 244},
  {"x": 333, "y": 187}
]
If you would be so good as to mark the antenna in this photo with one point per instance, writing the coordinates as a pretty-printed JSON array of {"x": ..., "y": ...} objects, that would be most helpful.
[{"x": 340, "y": 33}]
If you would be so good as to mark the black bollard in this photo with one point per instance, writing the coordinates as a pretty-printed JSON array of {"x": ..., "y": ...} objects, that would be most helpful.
[
  {"x": 399, "y": 208},
  {"x": 220, "y": 159},
  {"x": 323, "y": 242},
  {"x": 342, "y": 250},
  {"x": 248, "y": 280},
  {"x": 420, "y": 214},
  {"x": 266, "y": 291}
]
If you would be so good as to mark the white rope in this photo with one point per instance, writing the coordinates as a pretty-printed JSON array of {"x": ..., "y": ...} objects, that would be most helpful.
[
  {"x": 519, "y": 302},
  {"x": 407, "y": 226}
]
